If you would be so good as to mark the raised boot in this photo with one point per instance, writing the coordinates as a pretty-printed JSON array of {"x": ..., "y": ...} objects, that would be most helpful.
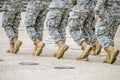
[
  {"x": 113, "y": 54},
  {"x": 87, "y": 49},
  {"x": 62, "y": 48},
  {"x": 17, "y": 45},
  {"x": 107, "y": 58},
  {"x": 11, "y": 49},
  {"x": 55, "y": 54},
  {"x": 39, "y": 45},
  {"x": 97, "y": 48}
]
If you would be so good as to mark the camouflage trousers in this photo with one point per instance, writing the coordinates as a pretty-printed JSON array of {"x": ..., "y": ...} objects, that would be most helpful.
[
  {"x": 11, "y": 21},
  {"x": 82, "y": 27},
  {"x": 105, "y": 30},
  {"x": 34, "y": 20},
  {"x": 56, "y": 22}
]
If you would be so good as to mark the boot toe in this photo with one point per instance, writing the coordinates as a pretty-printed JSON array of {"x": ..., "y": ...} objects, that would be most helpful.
[{"x": 17, "y": 46}]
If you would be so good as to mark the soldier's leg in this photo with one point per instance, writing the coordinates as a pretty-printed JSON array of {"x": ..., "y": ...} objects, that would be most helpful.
[
  {"x": 76, "y": 24},
  {"x": 63, "y": 25},
  {"x": 53, "y": 21},
  {"x": 61, "y": 28},
  {"x": 39, "y": 29},
  {"x": 17, "y": 43},
  {"x": 103, "y": 28},
  {"x": 88, "y": 32},
  {"x": 112, "y": 52},
  {"x": 32, "y": 15},
  {"x": 7, "y": 24},
  {"x": 92, "y": 40}
]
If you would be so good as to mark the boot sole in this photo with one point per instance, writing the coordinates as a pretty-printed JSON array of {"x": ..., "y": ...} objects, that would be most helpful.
[
  {"x": 114, "y": 58},
  {"x": 85, "y": 59},
  {"x": 17, "y": 47},
  {"x": 105, "y": 61},
  {"x": 40, "y": 50},
  {"x": 61, "y": 53},
  {"x": 55, "y": 55}
]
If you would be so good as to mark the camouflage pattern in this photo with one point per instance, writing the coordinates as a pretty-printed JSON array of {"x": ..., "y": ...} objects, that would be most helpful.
[
  {"x": 58, "y": 4},
  {"x": 56, "y": 19},
  {"x": 81, "y": 22},
  {"x": 35, "y": 16},
  {"x": 11, "y": 18},
  {"x": 106, "y": 26},
  {"x": 88, "y": 29},
  {"x": 110, "y": 8}
]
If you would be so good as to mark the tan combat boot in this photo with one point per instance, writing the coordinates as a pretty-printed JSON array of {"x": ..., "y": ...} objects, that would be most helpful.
[
  {"x": 92, "y": 52},
  {"x": 38, "y": 48},
  {"x": 11, "y": 49},
  {"x": 55, "y": 54},
  {"x": 17, "y": 45},
  {"x": 97, "y": 47},
  {"x": 113, "y": 53},
  {"x": 62, "y": 48},
  {"x": 107, "y": 58},
  {"x": 85, "y": 53}
]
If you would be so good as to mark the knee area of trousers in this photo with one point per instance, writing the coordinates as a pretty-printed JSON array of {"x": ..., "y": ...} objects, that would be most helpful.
[{"x": 100, "y": 31}]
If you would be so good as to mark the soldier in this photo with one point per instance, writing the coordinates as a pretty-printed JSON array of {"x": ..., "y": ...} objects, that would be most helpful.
[
  {"x": 35, "y": 16},
  {"x": 11, "y": 21},
  {"x": 56, "y": 22},
  {"x": 108, "y": 20},
  {"x": 81, "y": 23}
]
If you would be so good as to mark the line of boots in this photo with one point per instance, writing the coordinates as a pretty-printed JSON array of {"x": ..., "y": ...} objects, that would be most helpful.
[{"x": 111, "y": 52}]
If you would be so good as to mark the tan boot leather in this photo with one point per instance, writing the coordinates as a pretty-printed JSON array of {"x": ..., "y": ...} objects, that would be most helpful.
[
  {"x": 62, "y": 48},
  {"x": 113, "y": 54},
  {"x": 86, "y": 51},
  {"x": 92, "y": 52},
  {"x": 81, "y": 58},
  {"x": 11, "y": 49},
  {"x": 39, "y": 47},
  {"x": 107, "y": 58},
  {"x": 98, "y": 48},
  {"x": 17, "y": 45}
]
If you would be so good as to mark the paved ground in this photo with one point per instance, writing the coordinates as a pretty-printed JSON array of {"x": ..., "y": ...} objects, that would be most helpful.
[{"x": 92, "y": 70}]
